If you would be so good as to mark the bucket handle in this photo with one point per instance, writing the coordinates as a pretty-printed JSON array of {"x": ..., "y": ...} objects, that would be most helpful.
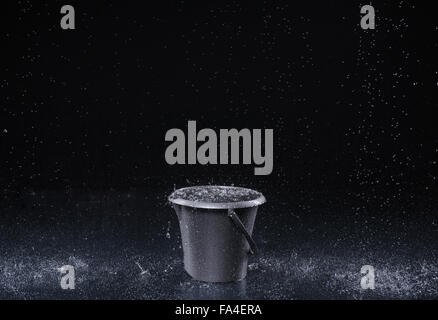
[{"x": 238, "y": 223}]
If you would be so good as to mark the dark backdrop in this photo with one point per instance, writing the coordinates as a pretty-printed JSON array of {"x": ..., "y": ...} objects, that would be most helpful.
[{"x": 90, "y": 107}]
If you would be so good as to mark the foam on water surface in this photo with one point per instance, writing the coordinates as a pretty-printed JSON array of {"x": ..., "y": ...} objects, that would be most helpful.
[{"x": 215, "y": 194}]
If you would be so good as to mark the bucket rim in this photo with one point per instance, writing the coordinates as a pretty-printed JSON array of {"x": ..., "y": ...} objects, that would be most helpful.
[{"x": 218, "y": 205}]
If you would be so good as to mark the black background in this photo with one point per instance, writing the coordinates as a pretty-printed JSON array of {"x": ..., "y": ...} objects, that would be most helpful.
[{"x": 84, "y": 113}]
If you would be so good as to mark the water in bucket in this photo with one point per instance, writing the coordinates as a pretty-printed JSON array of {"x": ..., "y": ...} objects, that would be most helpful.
[{"x": 216, "y": 225}]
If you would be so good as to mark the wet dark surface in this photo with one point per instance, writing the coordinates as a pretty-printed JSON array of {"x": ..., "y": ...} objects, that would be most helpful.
[{"x": 130, "y": 249}]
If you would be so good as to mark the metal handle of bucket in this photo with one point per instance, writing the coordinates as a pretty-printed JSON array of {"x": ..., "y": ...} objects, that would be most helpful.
[{"x": 252, "y": 245}]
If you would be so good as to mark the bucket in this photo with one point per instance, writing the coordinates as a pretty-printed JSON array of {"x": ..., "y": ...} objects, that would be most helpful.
[{"x": 216, "y": 225}]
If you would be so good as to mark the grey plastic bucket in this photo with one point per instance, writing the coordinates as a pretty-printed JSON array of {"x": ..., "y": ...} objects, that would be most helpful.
[{"x": 216, "y": 236}]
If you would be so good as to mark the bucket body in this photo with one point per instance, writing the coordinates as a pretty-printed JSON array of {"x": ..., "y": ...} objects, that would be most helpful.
[{"x": 214, "y": 249}]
